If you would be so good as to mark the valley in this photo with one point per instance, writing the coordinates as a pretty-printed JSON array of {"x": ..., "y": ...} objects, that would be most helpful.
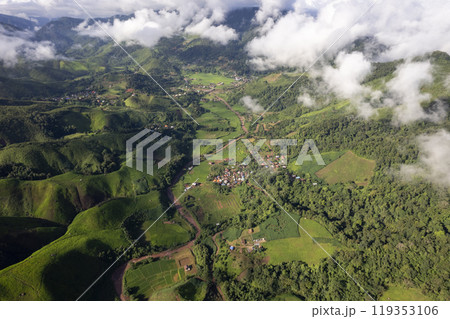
[{"x": 73, "y": 214}]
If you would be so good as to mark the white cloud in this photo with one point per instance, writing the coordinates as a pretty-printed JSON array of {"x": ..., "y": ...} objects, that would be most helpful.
[
  {"x": 271, "y": 9},
  {"x": 205, "y": 28},
  {"x": 407, "y": 28},
  {"x": 17, "y": 44},
  {"x": 345, "y": 79},
  {"x": 306, "y": 100},
  {"x": 405, "y": 89},
  {"x": 149, "y": 25},
  {"x": 145, "y": 28},
  {"x": 252, "y": 104},
  {"x": 433, "y": 162}
]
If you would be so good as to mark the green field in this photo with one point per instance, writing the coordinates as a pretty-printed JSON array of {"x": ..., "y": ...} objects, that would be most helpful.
[
  {"x": 193, "y": 290},
  {"x": 210, "y": 207},
  {"x": 209, "y": 78},
  {"x": 312, "y": 167},
  {"x": 221, "y": 118},
  {"x": 167, "y": 235},
  {"x": 400, "y": 293},
  {"x": 302, "y": 247},
  {"x": 21, "y": 236},
  {"x": 286, "y": 297},
  {"x": 145, "y": 278},
  {"x": 348, "y": 168},
  {"x": 278, "y": 227}
]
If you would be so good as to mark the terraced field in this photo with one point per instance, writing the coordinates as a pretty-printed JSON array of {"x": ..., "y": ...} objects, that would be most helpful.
[{"x": 146, "y": 278}]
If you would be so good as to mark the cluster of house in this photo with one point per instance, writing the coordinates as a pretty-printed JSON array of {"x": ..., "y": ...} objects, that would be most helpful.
[
  {"x": 80, "y": 96},
  {"x": 274, "y": 162},
  {"x": 231, "y": 177}
]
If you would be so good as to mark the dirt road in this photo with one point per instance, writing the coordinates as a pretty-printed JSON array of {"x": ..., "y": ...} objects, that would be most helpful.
[{"x": 241, "y": 118}]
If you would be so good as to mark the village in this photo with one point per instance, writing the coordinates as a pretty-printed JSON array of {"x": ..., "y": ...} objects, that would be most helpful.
[{"x": 231, "y": 177}]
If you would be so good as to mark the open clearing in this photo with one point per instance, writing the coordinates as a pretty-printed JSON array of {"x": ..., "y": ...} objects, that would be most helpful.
[
  {"x": 312, "y": 167},
  {"x": 166, "y": 235},
  {"x": 218, "y": 121},
  {"x": 302, "y": 248},
  {"x": 348, "y": 168},
  {"x": 400, "y": 293},
  {"x": 209, "y": 78}
]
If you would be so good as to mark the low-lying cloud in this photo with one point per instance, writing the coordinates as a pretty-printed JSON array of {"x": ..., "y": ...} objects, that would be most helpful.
[
  {"x": 433, "y": 163},
  {"x": 14, "y": 45},
  {"x": 252, "y": 104},
  {"x": 345, "y": 80},
  {"x": 220, "y": 34},
  {"x": 407, "y": 98},
  {"x": 403, "y": 93}
]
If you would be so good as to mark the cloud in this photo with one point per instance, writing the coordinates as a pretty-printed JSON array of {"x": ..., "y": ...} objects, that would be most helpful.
[
  {"x": 252, "y": 104},
  {"x": 271, "y": 9},
  {"x": 148, "y": 26},
  {"x": 220, "y": 34},
  {"x": 405, "y": 89},
  {"x": 433, "y": 163},
  {"x": 17, "y": 44},
  {"x": 297, "y": 39},
  {"x": 345, "y": 79},
  {"x": 107, "y": 8},
  {"x": 402, "y": 93},
  {"x": 306, "y": 100}
]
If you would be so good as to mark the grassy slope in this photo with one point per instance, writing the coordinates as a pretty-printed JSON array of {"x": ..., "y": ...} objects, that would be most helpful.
[
  {"x": 67, "y": 266},
  {"x": 60, "y": 198}
]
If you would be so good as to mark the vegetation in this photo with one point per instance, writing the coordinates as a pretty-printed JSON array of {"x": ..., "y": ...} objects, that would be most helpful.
[{"x": 69, "y": 206}]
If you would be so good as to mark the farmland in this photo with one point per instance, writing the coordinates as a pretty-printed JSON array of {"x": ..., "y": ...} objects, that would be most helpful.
[
  {"x": 167, "y": 234},
  {"x": 144, "y": 278},
  {"x": 211, "y": 207},
  {"x": 311, "y": 167},
  {"x": 302, "y": 247},
  {"x": 218, "y": 122},
  {"x": 400, "y": 293},
  {"x": 348, "y": 168},
  {"x": 209, "y": 78},
  {"x": 278, "y": 227}
]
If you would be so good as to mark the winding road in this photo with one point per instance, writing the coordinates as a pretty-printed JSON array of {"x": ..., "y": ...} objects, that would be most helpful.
[{"x": 119, "y": 273}]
